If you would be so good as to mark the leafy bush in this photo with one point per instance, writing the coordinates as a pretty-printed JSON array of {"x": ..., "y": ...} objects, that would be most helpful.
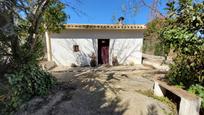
[
  {"x": 184, "y": 35},
  {"x": 181, "y": 35},
  {"x": 198, "y": 90},
  {"x": 159, "y": 49},
  {"x": 186, "y": 71},
  {"x": 27, "y": 82}
]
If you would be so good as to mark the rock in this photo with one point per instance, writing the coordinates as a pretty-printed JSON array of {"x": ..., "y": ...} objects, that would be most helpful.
[{"x": 49, "y": 65}]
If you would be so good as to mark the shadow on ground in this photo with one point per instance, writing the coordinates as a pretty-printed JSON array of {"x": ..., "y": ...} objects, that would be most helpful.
[
  {"x": 98, "y": 91},
  {"x": 92, "y": 98},
  {"x": 81, "y": 95}
]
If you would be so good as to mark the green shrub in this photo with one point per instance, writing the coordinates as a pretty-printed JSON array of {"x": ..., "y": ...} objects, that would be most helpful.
[
  {"x": 27, "y": 82},
  {"x": 149, "y": 46},
  {"x": 159, "y": 49},
  {"x": 145, "y": 47},
  {"x": 186, "y": 71},
  {"x": 181, "y": 35},
  {"x": 198, "y": 90},
  {"x": 154, "y": 48}
]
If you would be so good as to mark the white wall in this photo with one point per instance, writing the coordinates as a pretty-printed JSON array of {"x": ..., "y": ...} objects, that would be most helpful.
[
  {"x": 62, "y": 50},
  {"x": 127, "y": 50},
  {"x": 125, "y": 44}
]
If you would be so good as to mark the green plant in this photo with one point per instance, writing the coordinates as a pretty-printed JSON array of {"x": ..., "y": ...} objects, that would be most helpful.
[
  {"x": 21, "y": 39},
  {"x": 159, "y": 49},
  {"x": 187, "y": 70},
  {"x": 27, "y": 82},
  {"x": 152, "y": 43},
  {"x": 21, "y": 47},
  {"x": 184, "y": 35},
  {"x": 198, "y": 90}
]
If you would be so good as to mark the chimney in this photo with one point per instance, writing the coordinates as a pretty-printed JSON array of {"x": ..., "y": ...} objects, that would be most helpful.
[{"x": 121, "y": 20}]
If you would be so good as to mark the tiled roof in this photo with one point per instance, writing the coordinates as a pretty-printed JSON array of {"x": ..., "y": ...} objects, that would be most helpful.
[{"x": 106, "y": 26}]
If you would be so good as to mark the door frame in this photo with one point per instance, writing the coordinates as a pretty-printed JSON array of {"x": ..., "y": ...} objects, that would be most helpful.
[{"x": 99, "y": 59}]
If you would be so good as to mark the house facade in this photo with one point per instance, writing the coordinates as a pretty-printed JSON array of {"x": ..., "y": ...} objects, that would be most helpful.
[{"x": 77, "y": 42}]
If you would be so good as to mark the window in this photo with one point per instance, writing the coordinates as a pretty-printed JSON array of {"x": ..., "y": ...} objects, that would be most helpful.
[{"x": 76, "y": 48}]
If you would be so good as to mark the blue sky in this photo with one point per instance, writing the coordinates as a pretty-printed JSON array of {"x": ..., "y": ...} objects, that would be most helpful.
[{"x": 103, "y": 11}]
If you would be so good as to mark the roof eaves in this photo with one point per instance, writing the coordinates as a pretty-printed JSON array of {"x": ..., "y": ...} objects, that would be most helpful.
[{"x": 106, "y": 26}]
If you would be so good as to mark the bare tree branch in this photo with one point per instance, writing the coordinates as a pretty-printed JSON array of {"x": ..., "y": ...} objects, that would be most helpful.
[
  {"x": 76, "y": 10},
  {"x": 153, "y": 8}
]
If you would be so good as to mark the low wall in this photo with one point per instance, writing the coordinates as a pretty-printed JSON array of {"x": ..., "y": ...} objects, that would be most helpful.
[{"x": 189, "y": 104}]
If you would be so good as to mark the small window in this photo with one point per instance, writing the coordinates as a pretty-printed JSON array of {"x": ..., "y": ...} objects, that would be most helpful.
[{"x": 76, "y": 48}]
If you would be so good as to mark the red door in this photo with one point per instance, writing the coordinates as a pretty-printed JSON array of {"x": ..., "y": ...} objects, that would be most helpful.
[{"x": 103, "y": 51}]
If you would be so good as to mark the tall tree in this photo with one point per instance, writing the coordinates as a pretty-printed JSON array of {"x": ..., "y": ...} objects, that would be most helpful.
[{"x": 24, "y": 27}]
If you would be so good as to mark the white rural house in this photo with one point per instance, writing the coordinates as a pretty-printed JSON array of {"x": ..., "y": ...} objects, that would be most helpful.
[{"x": 78, "y": 41}]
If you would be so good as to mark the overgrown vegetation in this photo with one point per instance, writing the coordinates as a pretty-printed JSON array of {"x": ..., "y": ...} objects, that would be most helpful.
[
  {"x": 27, "y": 82},
  {"x": 152, "y": 43},
  {"x": 198, "y": 90},
  {"x": 22, "y": 27},
  {"x": 184, "y": 34}
]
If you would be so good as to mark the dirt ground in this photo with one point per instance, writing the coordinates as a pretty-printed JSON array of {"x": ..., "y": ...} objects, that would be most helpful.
[{"x": 99, "y": 91}]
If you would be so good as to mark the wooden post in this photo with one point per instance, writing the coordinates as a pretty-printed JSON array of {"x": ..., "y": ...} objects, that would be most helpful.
[{"x": 48, "y": 46}]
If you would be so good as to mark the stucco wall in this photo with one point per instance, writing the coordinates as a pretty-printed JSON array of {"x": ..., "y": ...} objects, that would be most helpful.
[
  {"x": 126, "y": 45},
  {"x": 128, "y": 51}
]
